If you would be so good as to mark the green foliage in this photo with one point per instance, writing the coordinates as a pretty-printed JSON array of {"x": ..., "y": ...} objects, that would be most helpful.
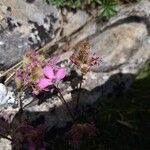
[
  {"x": 56, "y": 2},
  {"x": 105, "y": 8},
  {"x": 66, "y": 3}
]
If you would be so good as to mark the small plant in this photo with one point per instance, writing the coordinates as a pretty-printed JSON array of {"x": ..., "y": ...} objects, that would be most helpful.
[
  {"x": 30, "y": 72},
  {"x": 39, "y": 75},
  {"x": 84, "y": 61},
  {"x": 22, "y": 135},
  {"x": 55, "y": 2},
  {"x": 107, "y": 8},
  {"x": 81, "y": 132},
  {"x": 30, "y": 136}
]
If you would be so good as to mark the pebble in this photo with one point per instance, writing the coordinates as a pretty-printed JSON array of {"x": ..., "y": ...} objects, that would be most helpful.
[{"x": 6, "y": 97}]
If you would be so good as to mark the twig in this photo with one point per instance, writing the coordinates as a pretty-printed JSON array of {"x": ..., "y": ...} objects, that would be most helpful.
[
  {"x": 3, "y": 136},
  {"x": 29, "y": 103},
  {"x": 9, "y": 77},
  {"x": 10, "y": 69}
]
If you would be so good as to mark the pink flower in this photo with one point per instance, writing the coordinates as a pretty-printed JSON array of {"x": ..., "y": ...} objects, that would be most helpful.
[
  {"x": 83, "y": 58},
  {"x": 51, "y": 75},
  {"x": 43, "y": 83},
  {"x": 60, "y": 74}
]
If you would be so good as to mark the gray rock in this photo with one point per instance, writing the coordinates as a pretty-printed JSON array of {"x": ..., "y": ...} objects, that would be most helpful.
[
  {"x": 6, "y": 96},
  {"x": 26, "y": 25},
  {"x": 12, "y": 48},
  {"x": 119, "y": 45},
  {"x": 5, "y": 144},
  {"x": 3, "y": 93},
  {"x": 74, "y": 21}
]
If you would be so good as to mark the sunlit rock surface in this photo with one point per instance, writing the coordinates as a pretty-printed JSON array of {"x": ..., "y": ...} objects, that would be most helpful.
[
  {"x": 6, "y": 96},
  {"x": 5, "y": 144},
  {"x": 32, "y": 24}
]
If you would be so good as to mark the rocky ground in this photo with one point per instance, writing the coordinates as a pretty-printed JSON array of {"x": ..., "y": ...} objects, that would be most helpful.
[{"x": 123, "y": 44}]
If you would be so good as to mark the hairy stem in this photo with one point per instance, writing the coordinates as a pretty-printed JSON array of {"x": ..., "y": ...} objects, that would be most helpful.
[
  {"x": 79, "y": 92},
  {"x": 20, "y": 106},
  {"x": 60, "y": 96}
]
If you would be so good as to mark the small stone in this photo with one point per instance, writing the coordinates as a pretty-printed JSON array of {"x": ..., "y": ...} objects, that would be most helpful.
[
  {"x": 6, "y": 97},
  {"x": 20, "y": 46},
  {"x": 3, "y": 94},
  {"x": 1, "y": 43},
  {"x": 3, "y": 9},
  {"x": 5, "y": 144}
]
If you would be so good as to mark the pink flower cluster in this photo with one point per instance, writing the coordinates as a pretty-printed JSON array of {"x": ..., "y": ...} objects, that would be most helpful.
[
  {"x": 51, "y": 76},
  {"x": 83, "y": 59},
  {"x": 37, "y": 73}
]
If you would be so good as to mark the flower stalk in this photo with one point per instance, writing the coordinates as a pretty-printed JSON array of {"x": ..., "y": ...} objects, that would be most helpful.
[
  {"x": 60, "y": 96},
  {"x": 79, "y": 92},
  {"x": 83, "y": 59},
  {"x": 20, "y": 105}
]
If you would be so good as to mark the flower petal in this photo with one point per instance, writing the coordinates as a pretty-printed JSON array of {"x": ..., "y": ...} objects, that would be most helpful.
[
  {"x": 43, "y": 83},
  {"x": 60, "y": 74},
  {"x": 48, "y": 72}
]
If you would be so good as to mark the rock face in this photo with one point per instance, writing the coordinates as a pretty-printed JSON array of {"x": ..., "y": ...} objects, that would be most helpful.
[
  {"x": 25, "y": 25},
  {"x": 118, "y": 45},
  {"x": 31, "y": 24}
]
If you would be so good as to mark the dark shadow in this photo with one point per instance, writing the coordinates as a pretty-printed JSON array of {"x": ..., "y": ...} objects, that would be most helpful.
[{"x": 114, "y": 86}]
